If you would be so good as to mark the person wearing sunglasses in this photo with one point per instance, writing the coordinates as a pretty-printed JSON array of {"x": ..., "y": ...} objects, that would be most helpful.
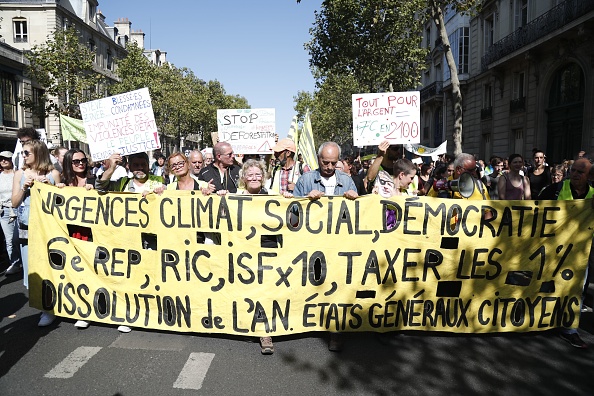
[
  {"x": 8, "y": 215},
  {"x": 38, "y": 168},
  {"x": 76, "y": 170}
]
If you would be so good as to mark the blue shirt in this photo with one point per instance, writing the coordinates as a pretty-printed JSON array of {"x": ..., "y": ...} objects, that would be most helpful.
[{"x": 311, "y": 181}]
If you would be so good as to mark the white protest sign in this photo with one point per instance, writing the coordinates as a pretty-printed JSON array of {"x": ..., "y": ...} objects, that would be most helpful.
[
  {"x": 248, "y": 131},
  {"x": 122, "y": 123},
  {"x": 392, "y": 116}
]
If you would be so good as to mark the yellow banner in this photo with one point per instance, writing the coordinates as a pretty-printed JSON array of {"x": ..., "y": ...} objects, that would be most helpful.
[{"x": 283, "y": 266}]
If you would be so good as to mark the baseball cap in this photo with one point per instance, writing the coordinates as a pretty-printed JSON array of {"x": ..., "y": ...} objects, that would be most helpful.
[
  {"x": 6, "y": 154},
  {"x": 285, "y": 144}
]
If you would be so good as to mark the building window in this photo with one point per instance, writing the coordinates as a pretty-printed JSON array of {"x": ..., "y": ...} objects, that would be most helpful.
[
  {"x": 39, "y": 110},
  {"x": 8, "y": 94},
  {"x": 20, "y": 30},
  {"x": 489, "y": 31},
  {"x": 521, "y": 13},
  {"x": 568, "y": 86},
  {"x": 428, "y": 38},
  {"x": 109, "y": 65},
  {"x": 459, "y": 46},
  {"x": 92, "y": 11}
]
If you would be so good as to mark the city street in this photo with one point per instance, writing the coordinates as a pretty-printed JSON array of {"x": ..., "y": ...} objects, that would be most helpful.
[{"x": 62, "y": 360}]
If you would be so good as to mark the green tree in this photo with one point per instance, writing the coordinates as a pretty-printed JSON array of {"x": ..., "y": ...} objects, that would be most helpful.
[
  {"x": 63, "y": 66},
  {"x": 376, "y": 42},
  {"x": 331, "y": 108}
]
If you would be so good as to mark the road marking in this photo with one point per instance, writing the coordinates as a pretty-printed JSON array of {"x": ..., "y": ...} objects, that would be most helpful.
[
  {"x": 193, "y": 374},
  {"x": 73, "y": 362}
]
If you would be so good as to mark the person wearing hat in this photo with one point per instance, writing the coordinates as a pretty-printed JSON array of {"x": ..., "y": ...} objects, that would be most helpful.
[
  {"x": 286, "y": 170},
  {"x": 8, "y": 214}
]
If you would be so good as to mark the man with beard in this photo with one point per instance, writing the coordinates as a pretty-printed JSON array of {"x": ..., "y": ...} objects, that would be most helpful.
[{"x": 142, "y": 182}]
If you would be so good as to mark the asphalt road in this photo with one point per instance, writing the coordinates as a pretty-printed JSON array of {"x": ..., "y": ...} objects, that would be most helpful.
[{"x": 62, "y": 360}]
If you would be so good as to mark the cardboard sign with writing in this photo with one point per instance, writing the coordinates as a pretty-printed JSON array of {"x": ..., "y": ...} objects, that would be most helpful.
[
  {"x": 122, "y": 124},
  {"x": 392, "y": 116},
  {"x": 249, "y": 131}
]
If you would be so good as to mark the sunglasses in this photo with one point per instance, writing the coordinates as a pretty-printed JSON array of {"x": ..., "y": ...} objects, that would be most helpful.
[
  {"x": 26, "y": 153},
  {"x": 79, "y": 161}
]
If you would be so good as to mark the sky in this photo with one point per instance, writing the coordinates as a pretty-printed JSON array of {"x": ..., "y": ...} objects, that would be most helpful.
[{"x": 253, "y": 47}]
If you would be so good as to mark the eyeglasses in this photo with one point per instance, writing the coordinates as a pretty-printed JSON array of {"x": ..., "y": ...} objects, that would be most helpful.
[
  {"x": 257, "y": 176},
  {"x": 557, "y": 176},
  {"x": 178, "y": 164},
  {"x": 26, "y": 153},
  {"x": 82, "y": 161},
  {"x": 227, "y": 155}
]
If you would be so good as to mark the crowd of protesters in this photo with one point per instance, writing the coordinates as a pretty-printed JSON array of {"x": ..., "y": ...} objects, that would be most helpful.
[{"x": 218, "y": 170}]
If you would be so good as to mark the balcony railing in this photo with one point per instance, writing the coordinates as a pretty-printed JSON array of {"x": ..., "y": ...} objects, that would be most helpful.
[
  {"x": 487, "y": 113},
  {"x": 517, "y": 105},
  {"x": 432, "y": 90},
  {"x": 548, "y": 22}
]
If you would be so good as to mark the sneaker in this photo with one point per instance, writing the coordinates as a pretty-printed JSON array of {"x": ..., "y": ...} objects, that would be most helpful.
[
  {"x": 574, "y": 339},
  {"x": 14, "y": 269},
  {"x": 335, "y": 343},
  {"x": 81, "y": 324},
  {"x": 266, "y": 345},
  {"x": 124, "y": 329},
  {"x": 46, "y": 319}
]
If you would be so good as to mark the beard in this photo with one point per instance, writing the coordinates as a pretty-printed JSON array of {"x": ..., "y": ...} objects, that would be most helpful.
[{"x": 139, "y": 175}]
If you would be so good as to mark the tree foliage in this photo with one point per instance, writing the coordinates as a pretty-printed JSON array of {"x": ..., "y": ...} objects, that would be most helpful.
[
  {"x": 63, "y": 66},
  {"x": 182, "y": 103},
  {"x": 375, "y": 41},
  {"x": 360, "y": 46}
]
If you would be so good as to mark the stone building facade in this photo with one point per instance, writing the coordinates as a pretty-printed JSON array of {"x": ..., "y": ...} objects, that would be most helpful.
[
  {"x": 529, "y": 84},
  {"x": 24, "y": 24}
]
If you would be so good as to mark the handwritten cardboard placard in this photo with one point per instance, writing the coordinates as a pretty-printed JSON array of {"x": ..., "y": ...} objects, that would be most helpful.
[
  {"x": 249, "y": 131},
  {"x": 122, "y": 123},
  {"x": 392, "y": 116}
]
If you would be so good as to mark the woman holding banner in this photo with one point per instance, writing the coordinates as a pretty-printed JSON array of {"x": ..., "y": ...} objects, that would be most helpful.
[
  {"x": 38, "y": 168},
  {"x": 252, "y": 178},
  {"x": 75, "y": 174}
]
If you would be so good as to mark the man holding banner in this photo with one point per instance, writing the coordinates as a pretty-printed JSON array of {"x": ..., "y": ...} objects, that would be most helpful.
[{"x": 142, "y": 182}]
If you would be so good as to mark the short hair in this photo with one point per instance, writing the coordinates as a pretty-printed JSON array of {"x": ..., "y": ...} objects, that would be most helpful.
[
  {"x": 326, "y": 144},
  {"x": 462, "y": 158},
  {"x": 56, "y": 150},
  {"x": 404, "y": 165},
  {"x": 250, "y": 164},
  {"x": 513, "y": 157},
  {"x": 28, "y": 132},
  {"x": 495, "y": 160},
  {"x": 141, "y": 155},
  {"x": 173, "y": 155},
  {"x": 218, "y": 148},
  {"x": 196, "y": 151}
]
